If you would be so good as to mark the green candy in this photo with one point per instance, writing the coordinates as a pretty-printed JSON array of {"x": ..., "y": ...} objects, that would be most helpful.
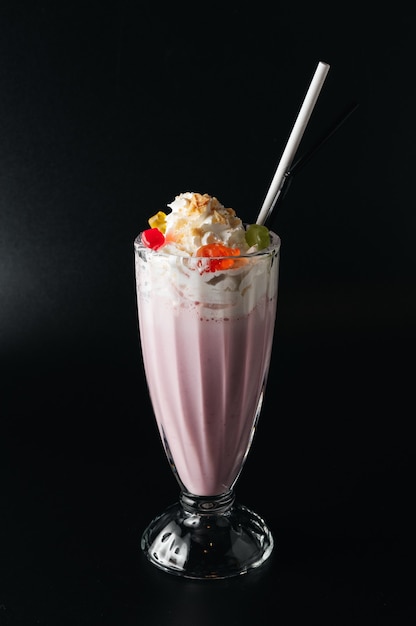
[{"x": 258, "y": 235}]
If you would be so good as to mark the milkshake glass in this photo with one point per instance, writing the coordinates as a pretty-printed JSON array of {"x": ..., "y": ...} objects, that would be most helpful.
[{"x": 206, "y": 329}]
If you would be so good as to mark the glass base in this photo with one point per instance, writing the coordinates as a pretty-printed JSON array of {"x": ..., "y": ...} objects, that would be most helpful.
[{"x": 207, "y": 538}]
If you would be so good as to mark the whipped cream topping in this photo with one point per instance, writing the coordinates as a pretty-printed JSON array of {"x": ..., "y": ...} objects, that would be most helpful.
[
  {"x": 181, "y": 279},
  {"x": 196, "y": 220},
  {"x": 178, "y": 282}
]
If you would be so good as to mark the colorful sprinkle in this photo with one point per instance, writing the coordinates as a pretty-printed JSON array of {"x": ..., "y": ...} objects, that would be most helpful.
[
  {"x": 258, "y": 235},
  {"x": 158, "y": 221},
  {"x": 153, "y": 238},
  {"x": 217, "y": 250}
]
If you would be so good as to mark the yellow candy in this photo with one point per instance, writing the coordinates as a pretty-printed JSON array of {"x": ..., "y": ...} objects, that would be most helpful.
[{"x": 158, "y": 221}]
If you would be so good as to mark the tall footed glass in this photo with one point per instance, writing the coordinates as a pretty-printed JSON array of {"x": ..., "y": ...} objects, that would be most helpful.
[{"x": 206, "y": 328}]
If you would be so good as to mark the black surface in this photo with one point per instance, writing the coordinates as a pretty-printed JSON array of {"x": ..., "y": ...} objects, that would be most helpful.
[{"x": 107, "y": 111}]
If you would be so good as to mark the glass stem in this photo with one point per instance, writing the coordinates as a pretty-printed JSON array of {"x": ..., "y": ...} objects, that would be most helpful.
[{"x": 208, "y": 505}]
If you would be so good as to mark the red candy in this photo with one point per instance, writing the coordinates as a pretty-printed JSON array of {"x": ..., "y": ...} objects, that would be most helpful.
[
  {"x": 153, "y": 238},
  {"x": 218, "y": 250}
]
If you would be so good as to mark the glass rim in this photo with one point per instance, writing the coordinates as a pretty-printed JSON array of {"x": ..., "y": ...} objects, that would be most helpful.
[{"x": 272, "y": 248}]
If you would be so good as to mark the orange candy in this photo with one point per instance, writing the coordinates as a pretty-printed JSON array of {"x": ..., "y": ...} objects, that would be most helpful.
[{"x": 218, "y": 250}]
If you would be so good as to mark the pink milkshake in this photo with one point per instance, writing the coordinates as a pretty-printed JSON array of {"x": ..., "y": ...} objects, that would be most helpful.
[
  {"x": 207, "y": 296},
  {"x": 206, "y": 369}
]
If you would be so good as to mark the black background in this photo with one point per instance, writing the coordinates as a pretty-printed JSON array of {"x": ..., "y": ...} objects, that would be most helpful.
[{"x": 107, "y": 111}]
